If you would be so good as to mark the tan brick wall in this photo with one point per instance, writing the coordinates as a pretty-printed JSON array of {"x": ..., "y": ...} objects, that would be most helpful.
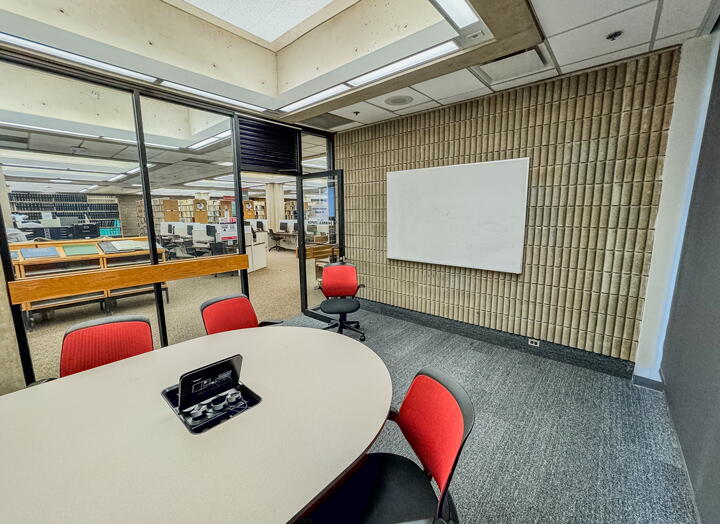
[{"x": 596, "y": 141}]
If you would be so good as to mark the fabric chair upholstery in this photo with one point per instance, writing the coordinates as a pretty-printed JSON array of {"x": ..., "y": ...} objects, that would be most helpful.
[
  {"x": 436, "y": 418},
  {"x": 98, "y": 342},
  {"x": 228, "y": 313}
]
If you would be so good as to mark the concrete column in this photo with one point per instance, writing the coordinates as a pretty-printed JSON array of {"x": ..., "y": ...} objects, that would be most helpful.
[{"x": 274, "y": 205}]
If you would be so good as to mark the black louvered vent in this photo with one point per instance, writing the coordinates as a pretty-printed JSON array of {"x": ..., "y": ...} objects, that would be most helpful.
[{"x": 267, "y": 147}]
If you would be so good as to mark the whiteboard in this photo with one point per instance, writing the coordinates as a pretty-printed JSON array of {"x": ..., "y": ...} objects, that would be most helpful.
[{"x": 468, "y": 215}]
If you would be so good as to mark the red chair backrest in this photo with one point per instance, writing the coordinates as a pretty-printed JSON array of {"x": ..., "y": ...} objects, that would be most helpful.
[
  {"x": 228, "y": 313},
  {"x": 339, "y": 280},
  {"x": 436, "y": 417},
  {"x": 96, "y": 343}
]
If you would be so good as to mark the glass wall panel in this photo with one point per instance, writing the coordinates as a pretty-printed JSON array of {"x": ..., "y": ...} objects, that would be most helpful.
[
  {"x": 319, "y": 205},
  {"x": 68, "y": 160},
  {"x": 190, "y": 164}
]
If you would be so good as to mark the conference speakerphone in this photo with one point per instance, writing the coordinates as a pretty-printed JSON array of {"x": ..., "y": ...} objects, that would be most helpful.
[{"x": 210, "y": 395}]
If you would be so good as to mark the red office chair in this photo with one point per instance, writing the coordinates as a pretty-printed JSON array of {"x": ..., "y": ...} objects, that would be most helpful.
[
  {"x": 436, "y": 418},
  {"x": 340, "y": 285},
  {"x": 98, "y": 342},
  {"x": 229, "y": 313}
]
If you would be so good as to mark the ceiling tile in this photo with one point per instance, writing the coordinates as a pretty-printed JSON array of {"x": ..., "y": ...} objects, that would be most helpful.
[
  {"x": 556, "y": 16},
  {"x": 415, "y": 109},
  {"x": 674, "y": 39},
  {"x": 465, "y": 96},
  {"x": 453, "y": 84},
  {"x": 529, "y": 79},
  {"x": 521, "y": 64},
  {"x": 345, "y": 127},
  {"x": 604, "y": 59},
  {"x": 590, "y": 40},
  {"x": 415, "y": 98},
  {"x": 366, "y": 113},
  {"x": 678, "y": 16}
]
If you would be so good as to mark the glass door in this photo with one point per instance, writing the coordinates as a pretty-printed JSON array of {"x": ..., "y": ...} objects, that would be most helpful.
[{"x": 321, "y": 238}]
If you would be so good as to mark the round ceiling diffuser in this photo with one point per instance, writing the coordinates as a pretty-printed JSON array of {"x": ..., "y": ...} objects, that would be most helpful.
[{"x": 400, "y": 100}]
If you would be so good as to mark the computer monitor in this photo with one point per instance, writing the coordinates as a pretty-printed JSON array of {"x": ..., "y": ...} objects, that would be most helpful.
[
  {"x": 312, "y": 228},
  {"x": 284, "y": 227},
  {"x": 211, "y": 231},
  {"x": 259, "y": 225}
]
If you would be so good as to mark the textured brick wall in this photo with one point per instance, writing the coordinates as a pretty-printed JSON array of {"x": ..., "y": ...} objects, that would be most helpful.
[{"x": 596, "y": 141}]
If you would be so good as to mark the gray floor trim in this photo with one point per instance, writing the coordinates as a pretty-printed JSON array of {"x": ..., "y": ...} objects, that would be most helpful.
[
  {"x": 559, "y": 352},
  {"x": 647, "y": 383},
  {"x": 552, "y": 442}
]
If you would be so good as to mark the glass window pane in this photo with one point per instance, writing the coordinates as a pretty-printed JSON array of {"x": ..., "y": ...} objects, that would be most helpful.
[
  {"x": 68, "y": 159},
  {"x": 190, "y": 161}
]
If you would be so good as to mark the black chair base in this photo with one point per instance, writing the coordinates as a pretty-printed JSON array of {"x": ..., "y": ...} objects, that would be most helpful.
[{"x": 343, "y": 324}]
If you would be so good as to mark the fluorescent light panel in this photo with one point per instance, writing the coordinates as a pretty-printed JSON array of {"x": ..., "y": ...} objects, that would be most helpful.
[
  {"x": 212, "y": 96},
  {"x": 54, "y": 169},
  {"x": 136, "y": 170},
  {"x": 405, "y": 63},
  {"x": 210, "y": 140},
  {"x": 116, "y": 178},
  {"x": 53, "y": 51},
  {"x": 317, "y": 97},
  {"x": 459, "y": 11},
  {"x": 209, "y": 183}
]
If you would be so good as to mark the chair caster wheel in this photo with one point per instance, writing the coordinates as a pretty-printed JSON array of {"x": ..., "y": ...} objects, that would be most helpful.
[{"x": 362, "y": 338}]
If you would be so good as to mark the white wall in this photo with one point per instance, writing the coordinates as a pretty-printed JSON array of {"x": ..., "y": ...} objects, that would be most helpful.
[{"x": 695, "y": 76}]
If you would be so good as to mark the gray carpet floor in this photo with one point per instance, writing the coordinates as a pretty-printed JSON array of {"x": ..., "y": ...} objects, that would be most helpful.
[{"x": 552, "y": 443}]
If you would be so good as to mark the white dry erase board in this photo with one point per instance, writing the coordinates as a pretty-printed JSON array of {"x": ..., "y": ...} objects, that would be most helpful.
[{"x": 468, "y": 215}]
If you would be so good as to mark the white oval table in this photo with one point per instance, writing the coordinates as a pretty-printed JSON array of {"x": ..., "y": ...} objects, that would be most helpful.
[{"x": 103, "y": 445}]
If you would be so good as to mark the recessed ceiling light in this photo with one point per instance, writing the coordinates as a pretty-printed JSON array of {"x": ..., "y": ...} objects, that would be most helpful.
[
  {"x": 405, "y": 63},
  {"x": 89, "y": 188},
  {"x": 459, "y": 11},
  {"x": 322, "y": 95},
  {"x": 212, "y": 96},
  {"x": 60, "y": 181},
  {"x": 210, "y": 140},
  {"x": 225, "y": 164},
  {"x": 136, "y": 170},
  {"x": 121, "y": 140},
  {"x": 161, "y": 146},
  {"x": 116, "y": 178},
  {"x": 47, "y": 129},
  {"x": 209, "y": 183},
  {"x": 53, "y": 51}
]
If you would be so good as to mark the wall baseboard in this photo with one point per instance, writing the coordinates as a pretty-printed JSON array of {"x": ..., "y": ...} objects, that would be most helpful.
[
  {"x": 569, "y": 355},
  {"x": 639, "y": 380}
]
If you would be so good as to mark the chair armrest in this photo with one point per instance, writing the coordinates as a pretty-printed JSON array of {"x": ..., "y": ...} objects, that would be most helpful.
[
  {"x": 269, "y": 323},
  {"x": 41, "y": 381}
]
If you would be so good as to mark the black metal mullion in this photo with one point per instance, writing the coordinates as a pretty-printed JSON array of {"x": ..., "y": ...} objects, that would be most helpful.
[
  {"x": 16, "y": 310},
  {"x": 149, "y": 217},
  {"x": 239, "y": 207},
  {"x": 300, "y": 221}
]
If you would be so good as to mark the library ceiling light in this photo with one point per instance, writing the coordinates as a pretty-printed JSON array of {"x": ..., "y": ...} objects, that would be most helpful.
[
  {"x": 116, "y": 178},
  {"x": 89, "y": 188},
  {"x": 317, "y": 97},
  {"x": 209, "y": 183},
  {"x": 459, "y": 11},
  {"x": 61, "y": 181},
  {"x": 46, "y": 130},
  {"x": 405, "y": 63},
  {"x": 210, "y": 140},
  {"x": 136, "y": 170},
  {"x": 56, "y": 169},
  {"x": 225, "y": 164},
  {"x": 72, "y": 57},
  {"x": 211, "y": 96},
  {"x": 161, "y": 146}
]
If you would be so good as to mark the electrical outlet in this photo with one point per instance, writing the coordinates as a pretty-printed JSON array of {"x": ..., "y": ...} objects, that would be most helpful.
[{"x": 534, "y": 342}]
